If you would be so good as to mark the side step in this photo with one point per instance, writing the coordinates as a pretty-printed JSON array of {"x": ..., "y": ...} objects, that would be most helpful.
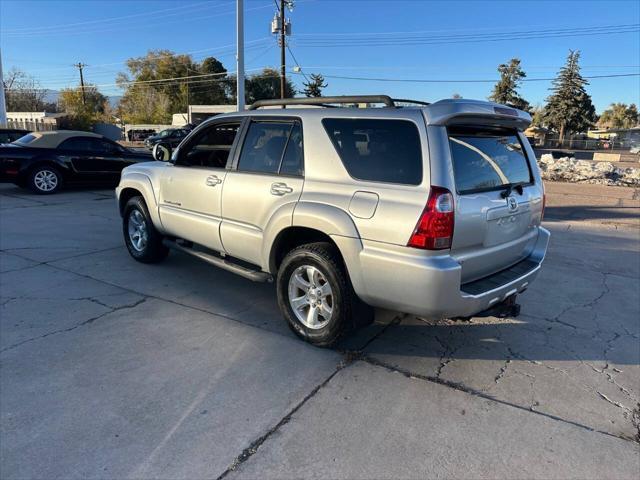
[{"x": 245, "y": 272}]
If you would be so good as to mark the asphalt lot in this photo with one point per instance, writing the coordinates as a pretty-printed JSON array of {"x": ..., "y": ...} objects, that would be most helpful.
[{"x": 114, "y": 369}]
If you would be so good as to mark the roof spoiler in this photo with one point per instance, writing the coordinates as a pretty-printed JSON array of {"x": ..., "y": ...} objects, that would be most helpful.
[{"x": 471, "y": 112}]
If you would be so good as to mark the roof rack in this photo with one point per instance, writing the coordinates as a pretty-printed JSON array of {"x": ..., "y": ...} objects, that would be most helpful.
[
  {"x": 323, "y": 101},
  {"x": 406, "y": 100}
]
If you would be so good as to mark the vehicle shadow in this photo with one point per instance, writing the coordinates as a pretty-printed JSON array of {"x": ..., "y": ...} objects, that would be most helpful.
[{"x": 526, "y": 339}]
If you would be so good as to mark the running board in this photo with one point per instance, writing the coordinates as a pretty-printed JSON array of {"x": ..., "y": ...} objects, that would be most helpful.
[{"x": 245, "y": 272}]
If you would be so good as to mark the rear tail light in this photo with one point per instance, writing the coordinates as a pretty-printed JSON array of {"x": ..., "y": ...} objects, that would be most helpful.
[{"x": 434, "y": 230}]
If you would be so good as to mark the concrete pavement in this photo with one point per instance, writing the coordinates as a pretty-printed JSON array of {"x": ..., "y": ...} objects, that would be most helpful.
[{"x": 114, "y": 369}]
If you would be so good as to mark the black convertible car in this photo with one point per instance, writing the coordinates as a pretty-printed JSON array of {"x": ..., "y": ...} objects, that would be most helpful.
[{"x": 45, "y": 161}]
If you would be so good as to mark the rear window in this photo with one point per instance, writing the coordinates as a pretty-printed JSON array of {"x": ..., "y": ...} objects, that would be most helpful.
[
  {"x": 377, "y": 150},
  {"x": 27, "y": 139},
  {"x": 487, "y": 159}
]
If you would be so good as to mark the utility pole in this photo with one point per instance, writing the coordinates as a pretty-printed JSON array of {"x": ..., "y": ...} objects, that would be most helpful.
[
  {"x": 80, "y": 66},
  {"x": 3, "y": 105},
  {"x": 282, "y": 28},
  {"x": 283, "y": 57},
  {"x": 240, "y": 55}
]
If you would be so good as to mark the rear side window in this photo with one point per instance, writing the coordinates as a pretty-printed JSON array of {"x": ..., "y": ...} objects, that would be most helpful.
[
  {"x": 272, "y": 147},
  {"x": 377, "y": 150},
  {"x": 487, "y": 159}
]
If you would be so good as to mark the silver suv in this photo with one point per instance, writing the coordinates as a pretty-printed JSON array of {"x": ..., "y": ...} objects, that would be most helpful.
[{"x": 432, "y": 210}]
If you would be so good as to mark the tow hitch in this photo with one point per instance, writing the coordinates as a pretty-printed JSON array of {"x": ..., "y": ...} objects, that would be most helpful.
[{"x": 508, "y": 308}]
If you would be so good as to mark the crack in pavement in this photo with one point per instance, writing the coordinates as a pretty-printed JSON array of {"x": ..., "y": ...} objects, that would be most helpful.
[
  {"x": 253, "y": 447},
  {"x": 64, "y": 330},
  {"x": 478, "y": 393}
]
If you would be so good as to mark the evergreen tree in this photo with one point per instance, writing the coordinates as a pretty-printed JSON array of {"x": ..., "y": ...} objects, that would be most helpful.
[
  {"x": 314, "y": 87},
  {"x": 505, "y": 91},
  {"x": 569, "y": 108}
]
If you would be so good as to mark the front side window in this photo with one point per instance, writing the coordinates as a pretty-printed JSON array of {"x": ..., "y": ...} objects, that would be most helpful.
[
  {"x": 377, "y": 150},
  {"x": 486, "y": 159},
  {"x": 209, "y": 148},
  {"x": 272, "y": 147}
]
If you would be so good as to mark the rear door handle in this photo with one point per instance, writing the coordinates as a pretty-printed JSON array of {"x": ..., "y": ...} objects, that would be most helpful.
[
  {"x": 212, "y": 181},
  {"x": 279, "y": 188}
]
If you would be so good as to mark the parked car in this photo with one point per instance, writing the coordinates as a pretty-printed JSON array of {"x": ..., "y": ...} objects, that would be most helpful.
[
  {"x": 8, "y": 135},
  {"x": 46, "y": 161},
  {"x": 171, "y": 137},
  {"x": 433, "y": 210}
]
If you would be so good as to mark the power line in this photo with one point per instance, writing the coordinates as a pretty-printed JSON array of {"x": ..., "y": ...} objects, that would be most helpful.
[
  {"x": 104, "y": 20},
  {"x": 297, "y": 63},
  {"x": 423, "y": 80},
  {"x": 73, "y": 31},
  {"x": 470, "y": 38}
]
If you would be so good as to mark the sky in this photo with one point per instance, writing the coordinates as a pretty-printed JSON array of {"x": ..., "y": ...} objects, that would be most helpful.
[{"x": 420, "y": 49}]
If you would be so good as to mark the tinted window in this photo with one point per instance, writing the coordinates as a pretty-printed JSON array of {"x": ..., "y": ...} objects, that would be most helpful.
[
  {"x": 102, "y": 146},
  {"x": 77, "y": 143},
  {"x": 378, "y": 150},
  {"x": 292, "y": 162},
  {"x": 264, "y": 146},
  {"x": 487, "y": 159},
  {"x": 209, "y": 148}
]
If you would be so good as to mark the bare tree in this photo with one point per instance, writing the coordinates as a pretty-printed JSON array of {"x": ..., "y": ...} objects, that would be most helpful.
[{"x": 24, "y": 93}]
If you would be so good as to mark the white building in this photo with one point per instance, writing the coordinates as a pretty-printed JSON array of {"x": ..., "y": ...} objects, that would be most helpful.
[{"x": 34, "y": 121}]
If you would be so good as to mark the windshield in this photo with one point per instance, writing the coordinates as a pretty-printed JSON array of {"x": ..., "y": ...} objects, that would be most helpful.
[
  {"x": 27, "y": 139},
  {"x": 165, "y": 133},
  {"x": 487, "y": 159}
]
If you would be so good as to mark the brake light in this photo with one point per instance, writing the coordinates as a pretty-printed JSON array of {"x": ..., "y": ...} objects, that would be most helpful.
[
  {"x": 544, "y": 204},
  {"x": 434, "y": 230}
]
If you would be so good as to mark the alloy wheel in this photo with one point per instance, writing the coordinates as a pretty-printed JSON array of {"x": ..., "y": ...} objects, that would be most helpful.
[{"x": 310, "y": 297}]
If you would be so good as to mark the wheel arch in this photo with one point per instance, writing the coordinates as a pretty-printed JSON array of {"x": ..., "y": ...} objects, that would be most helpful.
[{"x": 137, "y": 184}]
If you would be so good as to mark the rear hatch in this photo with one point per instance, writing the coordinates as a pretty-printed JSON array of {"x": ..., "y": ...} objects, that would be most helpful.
[{"x": 499, "y": 204}]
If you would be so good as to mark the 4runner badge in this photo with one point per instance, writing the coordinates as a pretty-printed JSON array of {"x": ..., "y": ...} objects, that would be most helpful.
[{"x": 512, "y": 203}]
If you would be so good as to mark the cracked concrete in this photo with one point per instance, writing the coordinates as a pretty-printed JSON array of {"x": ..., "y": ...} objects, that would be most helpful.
[{"x": 113, "y": 369}]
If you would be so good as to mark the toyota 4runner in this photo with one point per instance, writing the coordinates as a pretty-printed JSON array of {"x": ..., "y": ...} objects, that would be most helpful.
[{"x": 430, "y": 209}]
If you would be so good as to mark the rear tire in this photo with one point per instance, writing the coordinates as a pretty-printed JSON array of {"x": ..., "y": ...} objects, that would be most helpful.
[
  {"x": 142, "y": 239},
  {"x": 315, "y": 294},
  {"x": 44, "y": 180}
]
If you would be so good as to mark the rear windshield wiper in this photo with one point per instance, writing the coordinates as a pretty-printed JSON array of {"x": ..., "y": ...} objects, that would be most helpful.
[{"x": 509, "y": 187}]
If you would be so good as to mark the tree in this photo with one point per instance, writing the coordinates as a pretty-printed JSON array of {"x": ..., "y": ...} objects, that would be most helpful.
[
  {"x": 313, "y": 88},
  {"x": 144, "y": 104},
  {"x": 537, "y": 116},
  {"x": 262, "y": 86},
  {"x": 456, "y": 96},
  {"x": 619, "y": 115},
  {"x": 84, "y": 111},
  {"x": 173, "y": 81},
  {"x": 23, "y": 93},
  {"x": 505, "y": 91},
  {"x": 210, "y": 90},
  {"x": 569, "y": 108}
]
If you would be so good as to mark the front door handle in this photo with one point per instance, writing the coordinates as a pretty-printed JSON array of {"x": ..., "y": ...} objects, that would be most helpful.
[
  {"x": 279, "y": 188},
  {"x": 212, "y": 181}
]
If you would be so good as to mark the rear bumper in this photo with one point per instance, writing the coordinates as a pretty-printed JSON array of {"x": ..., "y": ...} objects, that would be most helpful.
[{"x": 431, "y": 286}]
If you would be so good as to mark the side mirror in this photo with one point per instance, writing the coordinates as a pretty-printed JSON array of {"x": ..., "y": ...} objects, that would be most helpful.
[{"x": 161, "y": 152}]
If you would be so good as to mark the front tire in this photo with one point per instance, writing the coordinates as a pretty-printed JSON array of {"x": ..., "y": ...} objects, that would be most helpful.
[
  {"x": 44, "y": 180},
  {"x": 142, "y": 239},
  {"x": 314, "y": 293}
]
